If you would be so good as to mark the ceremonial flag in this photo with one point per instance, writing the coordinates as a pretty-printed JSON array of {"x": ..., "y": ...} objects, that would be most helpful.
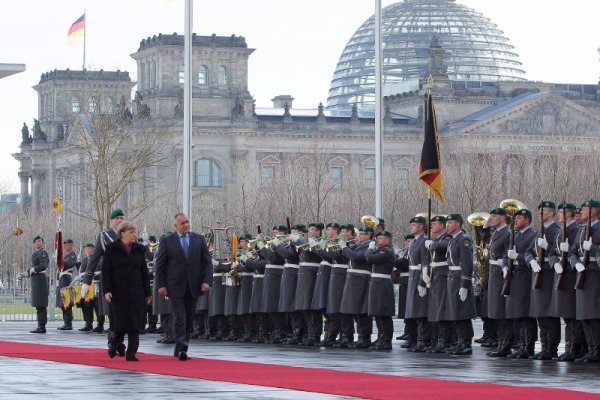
[
  {"x": 77, "y": 29},
  {"x": 430, "y": 169}
]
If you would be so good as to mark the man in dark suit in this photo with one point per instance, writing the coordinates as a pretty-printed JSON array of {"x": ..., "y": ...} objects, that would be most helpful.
[{"x": 183, "y": 271}]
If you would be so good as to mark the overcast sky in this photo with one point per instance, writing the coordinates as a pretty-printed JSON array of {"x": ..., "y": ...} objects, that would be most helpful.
[{"x": 297, "y": 43}]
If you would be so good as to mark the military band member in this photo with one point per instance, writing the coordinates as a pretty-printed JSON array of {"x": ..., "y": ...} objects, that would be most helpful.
[
  {"x": 517, "y": 303},
  {"x": 563, "y": 297},
  {"x": 588, "y": 297},
  {"x": 435, "y": 276},
  {"x": 410, "y": 326},
  {"x": 579, "y": 220},
  {"x": 232, "y": 293},
  {"x": 307, "y": 276},
  {"x": 257, "y": 266},
  {"x": 39, "y": 283},
  {"x": 541, "y": 298},
  {"x": 461, "y": 303},
  {"x": 416, "y": 296},
  {"x": 289, "y": 282},
  {"x": 218, "y": 323},
  {"x": 245, "y": 297},
  {"x": 496, "y": 304},
  {"x": 150, "y": 253},
  {"x": 87, "y": 307},
  {"x": 381, "y": 290},
  {"x": 355, "y": 296},
  {"x": 65, "y": 277}
]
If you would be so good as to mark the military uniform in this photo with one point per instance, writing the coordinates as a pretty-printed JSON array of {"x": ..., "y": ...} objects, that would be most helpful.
[
  {"x": 287, "y": 294},
  {"x": 271, "y": 291},
  {"x": 338, "y": 322},
  {"x": 245, "y": 299},
  {"x": 416, "y": 306},
  {"x": 258, "y": 267},
  {"x": 94, "y": 271},
  {"x": 307, "y": 277},
  {"x": 65, "y": 278},
  {"x": 87, "y": 308},
  {"x": 230, "y": 309},
  {"x": 216, "y": 300},
  {"x": 39, "y": 287}
]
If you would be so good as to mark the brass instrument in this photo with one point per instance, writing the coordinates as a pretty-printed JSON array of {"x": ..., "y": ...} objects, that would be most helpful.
[
  {"x": 303, "y": 246},
  {"x": 153, "y": 246},
  {"x": 220, "y": 241},
  {"x": 511, "y": 206},
  {"x": 334, "y": 244},
  {"x": 369, "y": 220},
  {"x": 481, "y": 264},
  {"x": 284, "y": 238}
]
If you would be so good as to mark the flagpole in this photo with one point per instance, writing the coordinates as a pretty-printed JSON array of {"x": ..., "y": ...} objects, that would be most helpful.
[
  {"x": 187, "y": 111},
  {"x": 84, "y": 34},
  {"x": 378, "y": 113},
  {"x": 429, "y": 88}
]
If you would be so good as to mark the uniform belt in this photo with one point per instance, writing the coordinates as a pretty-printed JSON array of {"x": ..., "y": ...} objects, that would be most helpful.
[
  {"x": 496, "y": 262},
  {"x": 384, "y": 276},
  {"x": 287, "y": 265},
  {"x": 273, "y": 266},
  {"x": 454, "y": 268},
  {"x": 70, "y": 273},
  {"x": 415, "y": 267},
  {"x": 325, "y": 263},
  {"x": 344, "y": 266},
  {"x": 309, "y": 264},
  {"x": 245, "y": 273},
  {"x": 404, "y": 274},
  {"x": 359, "y": 271},
  {"x": 591, "y": 259},
  {"x": 218, "y": 274},
  {"x": 259, "y": 275},
  {"x": 438, "y": 264}
]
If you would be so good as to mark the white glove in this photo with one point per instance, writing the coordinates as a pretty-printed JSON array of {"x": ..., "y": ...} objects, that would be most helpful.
[
  {"x": 462, "y": 293},
  {"x": 558, "y": 268},
  {"x": 260, "y": 245},
  {"x": 422, "y": 291},
  {"x": 564, "y": 246},
  {"x": 244, "y": 258},
  {"x": 542, "y": 243},
  {"x": 215, "y": 263},
  {"x": 504, "y": 272},
  {"x": 276, "y": 242},
  {"x": 579, "y": 267},
  {"x": 32, "y": 271},
  {"x": 587, "y": 244},
  {"x": 342, "y": 244},
  {"x": 535, "y": 267},
  {"x": 85, "y": 288},
  {"x": 294, "y": 237},
  {"x": 512, "y": 254},
  {"x": 428, "y": 244},
  {"x": 426, "y": 277},
  {"x": 372, "y": 245},
  {"x": 312, "y": 241}
]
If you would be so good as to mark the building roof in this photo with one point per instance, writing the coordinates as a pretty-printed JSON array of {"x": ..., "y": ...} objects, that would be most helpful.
[
  {"x": 203, "y": 41},
  {"x": 10, "y": 69}
]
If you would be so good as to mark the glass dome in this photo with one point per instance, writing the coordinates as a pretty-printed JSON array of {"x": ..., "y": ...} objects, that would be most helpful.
[{"x": 474, "y": 50}]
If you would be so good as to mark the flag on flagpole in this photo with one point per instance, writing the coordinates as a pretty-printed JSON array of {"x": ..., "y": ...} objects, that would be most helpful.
[
  {"x": 430, "y": 169},
  {"x": 77, "y": 29}
]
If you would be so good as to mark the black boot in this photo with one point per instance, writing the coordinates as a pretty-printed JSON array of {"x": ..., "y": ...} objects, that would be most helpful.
[
  {"x": 542, "y": 355},
  {"x": 39, "y": 329},
  {"x": 86, "y": 328},
  {"x": 364, "y": 342},
  {"x": 502, "y": 350},
  {"x": 464, "y": 349},
  {"x": 439, "y": 348},
  {"x": 568, "y": 355}
]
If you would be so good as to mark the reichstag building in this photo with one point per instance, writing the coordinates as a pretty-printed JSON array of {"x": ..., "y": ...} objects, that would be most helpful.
[{"x": 500, "y": 134}]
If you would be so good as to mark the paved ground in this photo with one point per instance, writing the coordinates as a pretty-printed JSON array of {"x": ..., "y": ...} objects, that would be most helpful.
[{"x": 29, "y": 379}]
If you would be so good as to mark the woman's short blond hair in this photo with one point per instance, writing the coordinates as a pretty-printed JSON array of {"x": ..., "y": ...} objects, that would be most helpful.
[{"x": 124, "y": 227}]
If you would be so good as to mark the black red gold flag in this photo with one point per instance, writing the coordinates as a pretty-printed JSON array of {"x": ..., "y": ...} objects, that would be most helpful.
[{"x": 430, "y": 169}]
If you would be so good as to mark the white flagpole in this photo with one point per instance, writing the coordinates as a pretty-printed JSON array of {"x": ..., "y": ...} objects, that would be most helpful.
[
  {"x": 187, "y": 111},
  {"x": 378, "y": 113},
  {"x": 84, "y": 34}
]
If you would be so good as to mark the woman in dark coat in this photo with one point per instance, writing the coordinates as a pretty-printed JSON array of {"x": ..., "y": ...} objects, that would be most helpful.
[{"x": 126, "y": 287}]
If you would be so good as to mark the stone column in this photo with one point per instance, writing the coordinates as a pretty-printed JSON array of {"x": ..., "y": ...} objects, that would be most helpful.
[
  {"x": 24, "y": 177},
  {"x": 37, "y": 178}
]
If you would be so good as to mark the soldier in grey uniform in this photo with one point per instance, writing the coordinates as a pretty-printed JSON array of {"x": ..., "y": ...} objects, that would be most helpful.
[
  {"x": 94, "y": 268},
  {"x": 517, "y": 303},
  {"x": 355, "y": 296},
  {"x": 307, "y": 276},
  {"x": 461, "y": 301},
  {"x": 410, "y": 325},
  {"x": 65, "y": 277},
  {"x": 39, "y": 283},
  {"x": 381, "y": 290},
  {"x": 497, "y": 247},
  {"x": 434, "y": 277},
  {"x": 232, "y": 293},
  {"x": 289, "y": 282},
  {"x": 257, "y": 266},
  {"x": 588, "y": 296},
  {"x": 563, "y": 297},
  {"x": 416, "y": 297},
  {"x": 87, "y": 308},
  {"x": 541, "y": 298},
  {"x": 245, "y": 296},
  {"x": 216, "y": 300}
]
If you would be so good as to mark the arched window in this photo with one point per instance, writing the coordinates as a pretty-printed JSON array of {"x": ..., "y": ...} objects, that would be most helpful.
[
  {"x": 108, "y": 105},
  {"x": 181, "y": 75},
  {"x": 208, "y": 173},
  {"x": 203, "y": 75},
  {"x": 222, "y": 75},
  {"x": 75, "y": 107},
  {"x": 92, "y": 105}
]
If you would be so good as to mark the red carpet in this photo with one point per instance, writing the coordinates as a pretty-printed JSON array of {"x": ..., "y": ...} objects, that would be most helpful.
[{"x": 355, "y": 384}]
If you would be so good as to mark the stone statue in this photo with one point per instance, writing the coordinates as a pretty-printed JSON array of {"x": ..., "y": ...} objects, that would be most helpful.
[
  {"x": 238, "y": 107},
  {"x": 142, "y": 109},
  {"x": 25, "y": 134},
  {"x": 178, "y": 110},
  {"x": 123, "y": 113},
  {"x": 38, "y": 135}
]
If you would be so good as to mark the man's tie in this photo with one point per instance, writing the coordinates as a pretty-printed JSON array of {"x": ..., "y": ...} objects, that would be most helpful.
[{"x": 185, "y": 245}]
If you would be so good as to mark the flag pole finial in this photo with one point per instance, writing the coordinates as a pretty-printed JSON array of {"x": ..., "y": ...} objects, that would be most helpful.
[{"x": 429, "y": 83}]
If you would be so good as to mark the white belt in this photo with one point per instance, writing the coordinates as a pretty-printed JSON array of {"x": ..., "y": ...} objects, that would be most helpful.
[
  {"x": 309, "y": 264},
  {"x": 327, "y": 263},
  {"x": 415, "y": 267},
  {"x": 273, "y": 266},
  {"x": 286, "y": 265},
  {"x": 384, "y": 276},
  {"x": 591, "y": 259},
  {"x": 404, "y": 274},
  {"x": 245, "y": 273},
  {"x": 515, "y": 263},
  {"x": 359, "y": 271},
  {"x": 496, "y": 262},
  {"x": 454, "y": 268},
  {"x": 41, "y": 272},
  {"x": 259, "y": 276},
  {"x": 344, "y": 266},
  {"x": 218, "y": 274},
  {"x": 438, "y": 264},
  {"x": 70, "y": 273}
]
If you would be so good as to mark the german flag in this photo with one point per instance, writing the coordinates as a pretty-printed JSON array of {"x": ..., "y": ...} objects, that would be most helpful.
[
  {"x": 430, "y": 169},
  {"x": 77, "y": 29}
]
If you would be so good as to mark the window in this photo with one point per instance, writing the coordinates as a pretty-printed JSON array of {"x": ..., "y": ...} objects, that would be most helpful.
[
  {"x": 108, "y": 105},
  {"x": 222, "y": 75},
  {"x": 369, "y": 177},
  {"x": 181, "y": 75},
  {"x": 403, "y": 178},
  {"x": 208, "y": 173},
  {"x": 203, "y": 75},
  {"x": 335, "y": 177},
  {"x": 268, "y": 175},
  {"x": 92, "y": 105},
  {"x": 75, "y": 107}
]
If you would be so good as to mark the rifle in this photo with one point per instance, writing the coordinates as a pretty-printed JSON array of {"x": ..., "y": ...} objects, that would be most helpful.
[
  {"x": 586, "y": 253},
  {"x": 507, "y": 279},
  {"x": 537, "y": 278},
  {"x": 564, "y": 257},
  {"x": 289, "y": 226}
]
